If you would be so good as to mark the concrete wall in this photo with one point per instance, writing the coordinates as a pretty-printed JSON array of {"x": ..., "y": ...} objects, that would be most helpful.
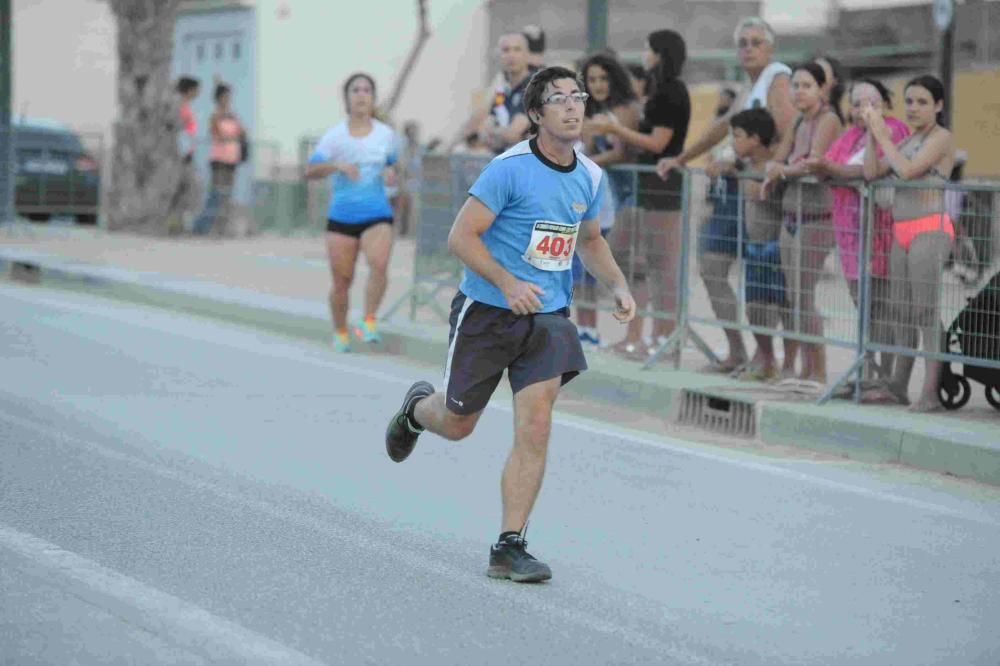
[{"x": 707, "y": 25}]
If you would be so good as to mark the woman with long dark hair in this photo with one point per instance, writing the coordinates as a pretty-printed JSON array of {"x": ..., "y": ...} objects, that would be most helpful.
[
  {"x": 359, "y": 153},
  {"x": 807, "y": 233},
  {"x": 833, "y": 90},
  {"x": 923, "y": 231},
  {"x": 611, "y": 98},
  {"x": 661, "y": 134}
]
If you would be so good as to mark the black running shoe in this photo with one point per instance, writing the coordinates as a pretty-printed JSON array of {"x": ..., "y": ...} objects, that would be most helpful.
[
  {"x": 509, "y": 559},
  {"x": 401, "y": 435}
]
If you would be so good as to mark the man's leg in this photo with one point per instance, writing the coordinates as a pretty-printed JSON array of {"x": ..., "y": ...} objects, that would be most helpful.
[
  {"x": 521, "y": 481},
  {"x": 522, "y": 475},
  {"x": 432, "y": 415},
  {"x": 424, "y": 409}
]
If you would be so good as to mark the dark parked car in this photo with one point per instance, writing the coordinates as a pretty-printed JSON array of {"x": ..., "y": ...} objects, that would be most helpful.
[{"x": 56, "y": 175}]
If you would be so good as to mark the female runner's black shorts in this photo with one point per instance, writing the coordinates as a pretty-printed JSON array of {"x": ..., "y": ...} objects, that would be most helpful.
[{"x": 354, "y": 230}]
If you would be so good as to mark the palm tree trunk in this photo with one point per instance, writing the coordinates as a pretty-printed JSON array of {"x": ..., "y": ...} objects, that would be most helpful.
[{"x": 146, "y": 163}]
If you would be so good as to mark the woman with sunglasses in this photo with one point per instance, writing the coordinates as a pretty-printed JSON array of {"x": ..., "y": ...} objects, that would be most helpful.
[{"x": 769, "y": 88}]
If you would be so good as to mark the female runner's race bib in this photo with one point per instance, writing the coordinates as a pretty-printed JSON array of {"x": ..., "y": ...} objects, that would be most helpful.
[{"x": 552, "y": 246}]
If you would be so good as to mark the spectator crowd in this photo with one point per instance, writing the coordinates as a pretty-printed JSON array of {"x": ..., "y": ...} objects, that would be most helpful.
[{"x": 785, "y": 152}]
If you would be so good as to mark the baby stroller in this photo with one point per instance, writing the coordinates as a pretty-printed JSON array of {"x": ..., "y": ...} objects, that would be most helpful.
[{"x": 974, "y": 333}]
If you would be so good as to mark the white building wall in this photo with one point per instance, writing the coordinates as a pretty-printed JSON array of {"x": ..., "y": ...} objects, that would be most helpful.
[
  {"x": 65, "y": 62},
  {"x": 306, "y": 50}
]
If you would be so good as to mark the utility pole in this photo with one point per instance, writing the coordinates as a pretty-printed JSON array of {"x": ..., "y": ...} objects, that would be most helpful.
[
  {"x": 7, "y": 169},
  {"x": 597, "y": 25},
  {"x": 944, "y": 19}
]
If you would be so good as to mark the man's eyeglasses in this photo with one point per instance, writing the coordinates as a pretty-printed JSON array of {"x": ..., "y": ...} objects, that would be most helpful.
[
  {"x": 560, "y": 99},
  {"x": 755, "y": 42}
]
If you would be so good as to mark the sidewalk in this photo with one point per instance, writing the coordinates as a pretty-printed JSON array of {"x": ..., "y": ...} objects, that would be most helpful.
[{"x": 280, "y": 284}]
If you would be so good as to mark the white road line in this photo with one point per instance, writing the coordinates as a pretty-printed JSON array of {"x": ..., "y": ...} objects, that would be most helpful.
[
  {"x": 160, "y": 613},
  {"x": 245, "y": 341},
  {"x": 587, "y": 619}
]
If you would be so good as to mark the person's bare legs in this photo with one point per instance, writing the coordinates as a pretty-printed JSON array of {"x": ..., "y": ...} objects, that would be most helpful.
[
  {"x": 342, "y": 254},
  {"x": 790, "y": 264},
  {"x": 433, "y": 415},
  {"x": 899, "y": 310},
  {"x": 881, "y": 330},
  {"x": 764, "y": 363},
  {"x": 525, "y": 468},
  {"x": 927, "y": 256},
  {"x": 625, "y": 240},
  {"x": 376, "y": 243},
  {"x": 714, "y": 269},
  {"x": 878, "y": 323},
  {"x": 817, "y": 239},
  {"x": 662, "y": 254}
]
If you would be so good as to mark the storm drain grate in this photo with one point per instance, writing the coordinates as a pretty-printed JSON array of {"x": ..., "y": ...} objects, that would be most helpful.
[{"x": 729, "y": 417}]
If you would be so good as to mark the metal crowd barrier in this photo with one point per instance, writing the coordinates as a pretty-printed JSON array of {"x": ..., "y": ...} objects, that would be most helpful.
[
  {"x": 444, "y": 183},
  {"x": 810, "y": 262}
]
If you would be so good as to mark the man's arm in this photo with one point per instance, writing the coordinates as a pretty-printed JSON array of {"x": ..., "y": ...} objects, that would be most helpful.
[
  {"x": 779, "y": 103},
  {"x": 465, "y": 242},
  {"x": 654, "y": 142},
  {"x": 596, "y": 256},
  {"x": 471, "y": 126},
  {"x": 715, "y": 133},
  {"x": 505, "y": 137}
]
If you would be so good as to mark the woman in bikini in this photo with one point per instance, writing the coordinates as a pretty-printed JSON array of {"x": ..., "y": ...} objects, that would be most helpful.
[
  {"x": 923, "y": 231},
  {"x": 806, "y": 209}
]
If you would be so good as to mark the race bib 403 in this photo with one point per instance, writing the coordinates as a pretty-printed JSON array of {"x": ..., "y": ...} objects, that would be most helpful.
[{"x": 552, "y": 246}]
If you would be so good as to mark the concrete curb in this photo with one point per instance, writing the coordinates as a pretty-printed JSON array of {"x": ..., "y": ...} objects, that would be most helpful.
[{"x": 867, "y": 433}]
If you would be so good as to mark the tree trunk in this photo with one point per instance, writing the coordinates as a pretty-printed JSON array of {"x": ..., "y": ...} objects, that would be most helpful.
[
  {"x": 146, "y": 163},
  {"x": 423, "y": 34}
]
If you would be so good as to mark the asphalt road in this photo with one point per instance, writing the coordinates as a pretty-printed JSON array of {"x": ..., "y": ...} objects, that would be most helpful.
[{"x": 173, "y": 490}]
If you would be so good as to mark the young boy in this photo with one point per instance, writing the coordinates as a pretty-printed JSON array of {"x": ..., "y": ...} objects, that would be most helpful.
[{"x": 754, "y": 132}]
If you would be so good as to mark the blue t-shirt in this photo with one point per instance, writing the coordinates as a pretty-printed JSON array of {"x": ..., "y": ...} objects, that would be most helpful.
[
  {"x": 538, "y": 206},
  {"x": 364, "y": 199}
]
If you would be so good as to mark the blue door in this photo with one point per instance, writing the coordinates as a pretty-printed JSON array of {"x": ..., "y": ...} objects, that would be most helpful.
[{"x": 219, "y": 46}]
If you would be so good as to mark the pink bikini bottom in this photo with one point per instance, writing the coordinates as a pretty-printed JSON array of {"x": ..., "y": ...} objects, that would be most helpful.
[{"x": 906, "y": 230}]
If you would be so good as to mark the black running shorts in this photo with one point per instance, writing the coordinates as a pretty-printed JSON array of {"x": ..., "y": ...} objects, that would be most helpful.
[
  {"x": 486, "y": 340},
  {"x": 354, "y": 230}
]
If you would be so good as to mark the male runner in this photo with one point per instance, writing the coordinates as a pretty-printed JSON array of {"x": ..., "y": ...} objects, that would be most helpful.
[{"x": 529, "y": 211}]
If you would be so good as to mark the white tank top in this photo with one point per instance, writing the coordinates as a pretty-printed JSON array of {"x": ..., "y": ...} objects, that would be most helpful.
[{"x": 757, "y": 98}]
